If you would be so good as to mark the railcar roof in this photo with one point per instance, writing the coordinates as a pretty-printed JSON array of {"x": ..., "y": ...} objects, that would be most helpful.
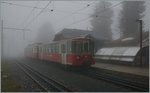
[
  {"x": 70, "y": 39},
  {"x": 82, "y": 37}
]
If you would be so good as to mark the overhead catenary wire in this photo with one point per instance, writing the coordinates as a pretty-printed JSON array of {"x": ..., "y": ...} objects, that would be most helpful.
[
  {"x": 24, "y": 29},
  {"x": 29, "y": 17},
  {"x": 73, "y": 13},
  {"x": 16, "y": 28},
  {"x": 50, "y": 9},
  {"x": 35, "y": 7},
  {"x": 30, "y": 13},
  {"x": 67, "y": 15},
  {"x": 70, "y": 12},
  {"x": 38, "y": 14},
  {"x": 36, "y": 17},
  {"x": 21, "y": 5},
  {"x": 88, "y": 5},
  {"x": 27, "y": 6},
  {"x": 104, "y": 10},
  {"x": 81, "y": 3},
  {"x": 47, "y": 10}
]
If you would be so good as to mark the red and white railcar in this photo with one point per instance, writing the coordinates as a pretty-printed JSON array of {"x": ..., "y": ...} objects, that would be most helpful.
[
  {"x": 76, "y": 51},
  {"x": 32, "y": 51}
]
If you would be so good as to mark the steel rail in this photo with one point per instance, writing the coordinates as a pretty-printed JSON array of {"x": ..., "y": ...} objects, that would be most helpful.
[
  {"x": 54, "y": 84},
  {"x": 116, "y": 80},
  {"x": 26, "y": 72}
]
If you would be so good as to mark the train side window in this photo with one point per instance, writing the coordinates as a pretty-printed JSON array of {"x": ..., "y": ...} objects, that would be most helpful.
[
  {"x": 49, "y": 48},
  {"x": 43, "y": 49},
  {"x": 39, "y": 50},
  {"x": 69, "y": 47},
  {"x": 46, "y": 49},
  {"x": 54, "y": 48},
  {"x": 86, "y": 48},
  {"x": 63, "y": 48},
  {"x": 57, "y": 48},
  {"x": 91, "y": 47},
  {"x": 34, "y": 50}
]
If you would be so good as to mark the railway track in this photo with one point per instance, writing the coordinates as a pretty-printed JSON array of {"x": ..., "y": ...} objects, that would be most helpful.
[
  {"x": 137, "y": 86},
  {"x": 46, "y": 84}
]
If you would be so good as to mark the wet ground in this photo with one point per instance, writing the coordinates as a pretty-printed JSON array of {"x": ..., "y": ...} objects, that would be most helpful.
[
  {"x": 21, "y": 82},
  {"x": 76, "y": 81}
]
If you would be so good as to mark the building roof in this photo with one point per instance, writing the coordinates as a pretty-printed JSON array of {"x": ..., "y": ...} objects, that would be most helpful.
[
  {"x": 71, "y": 33},
  {"x": 129, "y": 41}
]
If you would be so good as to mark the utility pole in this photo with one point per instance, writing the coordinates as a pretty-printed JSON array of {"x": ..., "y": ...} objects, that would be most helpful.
[
  {"x": 2, "y": 35},
  {"x": 141, "y": 24},
  {"x": 2, "y": 48}
]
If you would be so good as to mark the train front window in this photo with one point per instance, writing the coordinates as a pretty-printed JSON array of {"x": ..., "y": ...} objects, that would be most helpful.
[
  {"x": 77, "y": 47},
  {"x": 86, "y": 47},
  {"x": 91, "y": 47}
]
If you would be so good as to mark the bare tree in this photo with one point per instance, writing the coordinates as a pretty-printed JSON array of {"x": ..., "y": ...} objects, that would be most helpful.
[
  {"x": 102, "y": 21},
  {"x": 46, "y": 33},
  {"x": 131, "y": 11}
]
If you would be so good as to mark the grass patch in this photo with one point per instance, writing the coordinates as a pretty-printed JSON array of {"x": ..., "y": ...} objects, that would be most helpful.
[{"x": 7, "y": 82}]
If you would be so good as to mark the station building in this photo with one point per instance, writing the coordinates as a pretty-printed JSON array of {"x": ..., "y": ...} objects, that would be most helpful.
[{"x": 125, "y": 51}]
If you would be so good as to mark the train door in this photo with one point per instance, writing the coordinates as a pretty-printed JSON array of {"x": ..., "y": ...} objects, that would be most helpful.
[
  {"x": 63, "y": 53},
  {"x": 85, "y": 46},
  {"x": 37, "y": 52}
]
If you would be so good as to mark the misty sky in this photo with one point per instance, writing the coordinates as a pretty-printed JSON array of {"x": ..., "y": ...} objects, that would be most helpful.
[{"x": 64, "y": 14}]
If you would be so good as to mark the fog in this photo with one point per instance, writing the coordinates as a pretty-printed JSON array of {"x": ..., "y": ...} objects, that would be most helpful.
[{"x": 33, "y": 26}]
